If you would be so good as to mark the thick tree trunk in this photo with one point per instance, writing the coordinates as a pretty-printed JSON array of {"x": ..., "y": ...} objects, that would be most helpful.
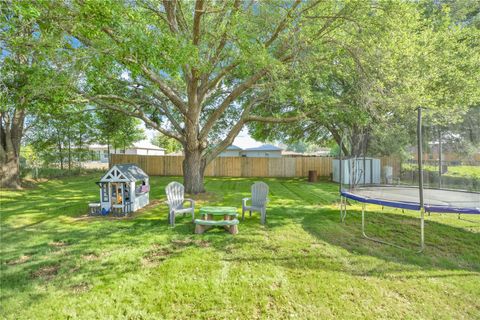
[
  {"x": 193, "y": 171},
  {"x": 10, "y": 173},
  {"x": 338, "y": 139},
  {"x": 11, "y": 132}
]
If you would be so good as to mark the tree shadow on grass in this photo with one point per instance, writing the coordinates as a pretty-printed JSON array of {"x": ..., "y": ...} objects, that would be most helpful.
[
  {"x": 451, "y": 252},
  {"x": 69, "y": 248},
  {"x": 107, "y": 250},
  {"x": 447, "y": 247},
  {"x": 83, "y": 252}
]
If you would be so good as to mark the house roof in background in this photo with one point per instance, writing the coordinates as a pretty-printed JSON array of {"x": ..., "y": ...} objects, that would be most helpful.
[
  {"x": 265, "y": 147},
  {"x": 144, "y": 144},
  {"x": 233, "y": 147}
]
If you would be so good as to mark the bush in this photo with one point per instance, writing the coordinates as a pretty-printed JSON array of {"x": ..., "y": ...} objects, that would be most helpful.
[{"x": 51, "y": 173}]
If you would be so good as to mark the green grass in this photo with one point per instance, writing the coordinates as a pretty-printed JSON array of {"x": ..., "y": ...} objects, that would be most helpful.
[
  {"x": 464, "y": 171},
  {"x": 304, "y": 264},
  {"x": 453, "y": 171}
]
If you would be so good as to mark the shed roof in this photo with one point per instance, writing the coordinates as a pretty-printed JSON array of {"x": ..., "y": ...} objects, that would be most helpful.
[{"x": 124, "y": 172}]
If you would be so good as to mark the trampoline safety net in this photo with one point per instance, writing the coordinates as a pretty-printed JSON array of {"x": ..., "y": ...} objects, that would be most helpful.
[{"x": 427, "y": 158}]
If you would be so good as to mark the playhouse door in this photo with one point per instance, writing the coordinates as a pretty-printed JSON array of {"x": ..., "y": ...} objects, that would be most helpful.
[{"x": 117, "y": 193}]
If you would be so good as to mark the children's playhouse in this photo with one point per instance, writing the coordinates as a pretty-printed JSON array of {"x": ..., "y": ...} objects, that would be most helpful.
[{"x": 123, "y": 189}]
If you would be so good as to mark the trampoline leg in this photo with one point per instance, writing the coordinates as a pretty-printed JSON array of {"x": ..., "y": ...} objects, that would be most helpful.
[
  {"x": 343, "y": 209},
  {"x": 373, "y": 239},
  {"x": 422, "y": 230},
  {"x": 363, "y": 221}
]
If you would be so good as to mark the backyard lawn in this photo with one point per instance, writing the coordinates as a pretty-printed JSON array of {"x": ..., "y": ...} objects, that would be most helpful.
[{"x": 56, "y": 263}]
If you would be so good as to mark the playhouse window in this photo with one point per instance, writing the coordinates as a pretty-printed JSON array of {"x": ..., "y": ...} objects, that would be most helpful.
[
  {"x": 126, "y": 193},
  {"x": 104, "y": 192},
  {"x": 143, "y": 187}
]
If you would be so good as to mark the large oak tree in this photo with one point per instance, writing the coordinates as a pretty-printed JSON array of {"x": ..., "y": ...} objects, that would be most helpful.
[{"x": 196, "y": 71}]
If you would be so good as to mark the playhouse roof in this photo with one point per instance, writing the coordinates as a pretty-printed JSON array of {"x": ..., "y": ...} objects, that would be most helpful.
[{"x": 124, "y": 173}]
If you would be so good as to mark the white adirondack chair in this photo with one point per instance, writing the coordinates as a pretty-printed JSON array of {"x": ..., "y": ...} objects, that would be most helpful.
[
  {"x": 259, "y": 201},
  {"x": 175, "y": 199}
]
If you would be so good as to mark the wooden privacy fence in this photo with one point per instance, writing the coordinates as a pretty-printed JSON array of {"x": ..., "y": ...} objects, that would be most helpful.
[{"x": 241, "y": 166}]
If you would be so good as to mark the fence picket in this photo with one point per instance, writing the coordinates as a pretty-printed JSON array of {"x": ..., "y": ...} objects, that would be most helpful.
[{"x": 241, "y": 166}]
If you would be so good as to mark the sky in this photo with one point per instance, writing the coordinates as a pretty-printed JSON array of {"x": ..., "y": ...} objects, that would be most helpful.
[{"x": 243, "y": 140}]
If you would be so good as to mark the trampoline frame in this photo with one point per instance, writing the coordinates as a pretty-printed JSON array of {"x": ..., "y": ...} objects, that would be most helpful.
[
  {"x": 343, "y": 215},
  {"x": 415, "y": 206},
  {"x": 343, "y": 205}
]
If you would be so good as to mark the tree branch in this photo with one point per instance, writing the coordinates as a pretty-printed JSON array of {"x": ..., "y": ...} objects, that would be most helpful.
[
  {"x": 168, "y": 114},
  {"x": 137, "y": 113},
  {"x": 210, "y": 85},
  {"x": 329, "y": 22},
  {"x": 170, "y": 8},
  {"x": 241, "y": 88},
  {"x": 169, "y": 92},
  {"x": 166, "y": 90},
  {"x": 158, "y": 13},
  {"x": 213, "y": 153},
  {"x": 197, "y": 18},
  {"x": 223, "y": 39},
  {"x": 182, "y": 22},
  {"x": 282, "y": 25},
  {"x": 277, "y": 119},
  {"x": 352, "y": 53}
]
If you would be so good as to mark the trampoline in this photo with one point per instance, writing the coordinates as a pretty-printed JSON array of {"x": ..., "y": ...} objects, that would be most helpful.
[
  {"x": 361, "y": 178},
  {"x": 405, "y": 197}
]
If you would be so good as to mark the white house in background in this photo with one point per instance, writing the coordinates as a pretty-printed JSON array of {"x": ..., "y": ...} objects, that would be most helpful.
[
  {"x": 264, "y": 151},
  {"x": 143, "y": 147},
  {"x": 231, "y": 151}
]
